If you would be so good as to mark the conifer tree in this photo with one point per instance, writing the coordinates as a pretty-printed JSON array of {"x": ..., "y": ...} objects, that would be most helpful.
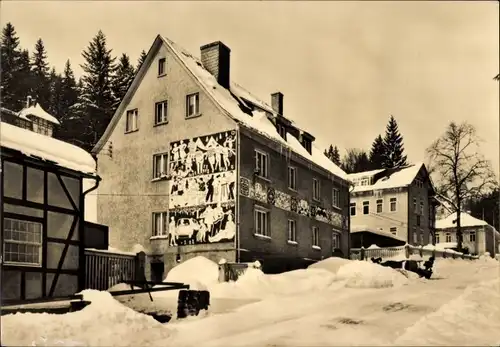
[
  {"x": 97, "y": 98},
  {"x": 142, "y": 58},
  {"x": 24, "y": 79},
  {"x": 393, "y": 143},
  {"x": 336, "y": 156},
  {"x": 54, "y": 103},
  {"x": 124, "y": 76},
  {"x": 40, "y": 74},
  {"x": 10, "y": 59},
  {"x": 377, "y": 153}
]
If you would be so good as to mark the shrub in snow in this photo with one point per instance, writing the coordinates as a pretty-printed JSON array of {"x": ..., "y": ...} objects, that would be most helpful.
[{"x": 363, "y": 274}]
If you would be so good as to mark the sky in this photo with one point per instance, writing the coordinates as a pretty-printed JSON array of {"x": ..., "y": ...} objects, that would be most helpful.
[{"x": 343, "y": 67}]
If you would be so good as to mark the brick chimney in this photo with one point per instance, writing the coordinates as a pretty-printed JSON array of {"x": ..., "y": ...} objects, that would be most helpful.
[
  {"x": 277, "y": 102},
  {"x": 215, "y": 57}
]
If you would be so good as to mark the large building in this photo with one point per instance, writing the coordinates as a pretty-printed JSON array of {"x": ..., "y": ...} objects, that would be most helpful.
[
  {"x": 400, "y": 201},
  {"x": 193, "y": 164},
  {"x": 42, "y": 208}
]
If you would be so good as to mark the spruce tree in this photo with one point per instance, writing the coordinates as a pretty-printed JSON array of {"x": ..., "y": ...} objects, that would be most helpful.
[
  {"x": 68, "y": 105},
  {"x": 24, "y": 77},
  {"x": 124, "y": 76},
  {"x": 377, "y": 153},
  {"x": 336, "y": 156},
  {"x": 53, "y": 106},
  {"x": 40, "y": 74},
  {"x": 142, "y": 58},
  {"x": 97, "y": 98},
  {"x": 394, "y": 149},
  {"x": 10, "y": 59}
]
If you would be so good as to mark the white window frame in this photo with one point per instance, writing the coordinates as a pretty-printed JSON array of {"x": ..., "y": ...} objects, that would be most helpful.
[
  {"x": 292, "y": 231},
  {"x": 380, "y": 203},
  {"x": 472, "y": 236},
  {"x": 163, "y": 107},
  {"x": 448, "y": 237},
  {"x": 394, "y": 201},
  {"x": 262, "y": 227},
  {"x": 415, "y": 236},
  {"x": 163, "y": 224},
  {"x": 364, "y": 181},
  {"x": 162, "y": 66},
  {"x": 415, "y": 207},
  {"x": 393, "y": 230},
  {"x": 163, "y": 164},
  {"x": 421, "y": 234},
  {"x": 195, "y": 104},
  {"x": 421, "y": 207},
  {"x": 366, "y": 203},
  {"x": 9, "y": 240},
  {"x": 261, "y": 157},
  {"x": 315, "y": 237},
  {"x": 335, "y": 197},
  {"x": 352, "y": 208},
  {"x": 131, "y": 121},
  {"x": 292, "y": 178},
  {"x": 436, "y": 237},
  {"x": 316, "y": 189},
  {"x": 335, "y": 240}
]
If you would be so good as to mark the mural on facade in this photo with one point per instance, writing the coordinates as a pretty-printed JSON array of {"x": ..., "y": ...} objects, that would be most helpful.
[
  {"x": 202, "y": 189},
  {"x": 284, "y": 201}
]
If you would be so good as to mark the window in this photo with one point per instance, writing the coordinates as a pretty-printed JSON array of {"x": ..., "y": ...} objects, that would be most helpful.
[
  {"x": 281, "y": 130},
  {"x": 292, "y": 231},
  {"x": 292, "y": 178},
  {"x": 315, "y": 237},
  {"x": 448, "y": 237},
  {"x": 380, "y": 204},
  {"x": 472, "y": 236},
  {"x": 393, "y": 230},
  {"x": 335, "y": 197},
  {"x": 316, "y": 189},
  {"x": 22, "y": 242},
  {"x": 415, "y": 236},
  {"x": 436, "y": 237},
  {"x": 161, "y": 66},
  {"x": 160, "y": 165},
  {"x": 132, "y": 116},
  {"x": 262, "y": 223},
  {"x": 261, "y": 167},
  {"x": 421, "y": 207},
  {"x": 364, "y": 181},
  {"x": 415, "y": 205},
  {"x": 366, "y": 207},
  {"x": 418, "y": 220},
  {"x": 161, "y": 112},
  {"x": 307, "y": 145},
  {"x": 335, "y": 240},
  {"x": 352, "y": 208},
  {"x": 393, "y": 202},
  {"x": 421, "y": 237},
  {"x": 42, "y": 126},
  {"x": 192, "y": 105},
  {"x": 160, "y": 223}
]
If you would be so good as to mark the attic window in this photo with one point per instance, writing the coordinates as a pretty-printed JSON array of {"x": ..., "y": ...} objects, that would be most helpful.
[
  {"x": 281, "y": 130},
  {"x": 307, "y": 144},
  {"x": 161, "y": 67}
]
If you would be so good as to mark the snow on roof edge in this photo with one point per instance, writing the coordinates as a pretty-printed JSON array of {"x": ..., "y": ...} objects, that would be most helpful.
[{"x": 39, "y": 112}]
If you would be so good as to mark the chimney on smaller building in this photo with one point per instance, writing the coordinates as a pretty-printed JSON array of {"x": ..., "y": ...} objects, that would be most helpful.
[
  {"x": 215, "y": 57},
  {"x": 277, "y": 102},
  {"x": 29, "y": 101}
]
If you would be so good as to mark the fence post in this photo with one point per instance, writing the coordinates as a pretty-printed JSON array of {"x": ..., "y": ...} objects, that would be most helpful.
[
  {"x": 362, "y": 253},
  {"x": 407, "y": 251},
  {"x": 140, "y": 266}
]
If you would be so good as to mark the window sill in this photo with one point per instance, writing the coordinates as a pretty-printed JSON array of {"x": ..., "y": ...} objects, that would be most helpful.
[
  {"x": 159, "y": 124},
  {"x": 159, "y": 237},
  {"x": 10, "y": 263},
  {"x": 162, "y": 75},
  {"x": 263, "y": 237},
  {"x": 294, "y": 243},
  {"x": 159, "y": 179},
  {"x": 292, "y": 190},
  {"x": 194, "y": 116},
  {"x": 263, "y": 178},
  {"x": 318, "y": 248},
  {"x": 316, "y": 200},
  {"x": 131, "y": 131},
  {"x": 338, "y": 208}
]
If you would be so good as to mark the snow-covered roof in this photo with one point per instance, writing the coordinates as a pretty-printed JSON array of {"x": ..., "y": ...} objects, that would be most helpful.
[
  {"x": 466, "y": 220},
  {"x": 39, "y": 112},
  {"x": 47, "y": 148},
  {"x": 395, "y": 179},
  {"x": 364, "y": 228},
  {"x": 231, "y": 101}
]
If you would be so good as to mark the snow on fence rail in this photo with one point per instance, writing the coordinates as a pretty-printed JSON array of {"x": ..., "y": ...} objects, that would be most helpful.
[
  {"x": 406, "y": 252},
  {"x": 104, "y": 269}
]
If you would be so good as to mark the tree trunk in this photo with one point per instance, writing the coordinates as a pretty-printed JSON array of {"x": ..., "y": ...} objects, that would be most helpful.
[{"x": 459, "y": 231}]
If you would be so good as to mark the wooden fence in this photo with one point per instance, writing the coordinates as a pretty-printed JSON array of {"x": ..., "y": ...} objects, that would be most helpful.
[
  {"x": 104, "y": 269},
  {"x": 406, "y": 252}
]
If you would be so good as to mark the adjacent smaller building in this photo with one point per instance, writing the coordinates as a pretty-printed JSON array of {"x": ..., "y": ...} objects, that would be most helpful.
[{"x": 478, "y": 236}]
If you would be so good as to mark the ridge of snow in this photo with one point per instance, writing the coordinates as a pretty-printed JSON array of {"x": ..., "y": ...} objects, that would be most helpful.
[
  {"x": 364, "y": 228},
  {"x": 39, "y": 112},
  {"x": 48, "y": 148},
  {"x": 259, "y": 121},
  {"x": 466, "y": 220},
  {"x": 398, "y": 179}
]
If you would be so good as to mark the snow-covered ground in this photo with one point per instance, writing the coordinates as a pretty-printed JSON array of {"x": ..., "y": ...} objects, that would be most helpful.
[{"x": 335, "y": 302}]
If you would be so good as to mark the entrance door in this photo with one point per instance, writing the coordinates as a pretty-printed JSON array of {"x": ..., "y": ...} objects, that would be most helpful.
[{"x": 157, "y": 270}]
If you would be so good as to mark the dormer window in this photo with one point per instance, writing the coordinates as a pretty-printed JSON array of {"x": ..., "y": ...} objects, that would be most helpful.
[
  {"x": 307, "y": 145},
  {"x": 281, "y": 130},
  {"x": 42, "y": 126},
  {"x": 365, "y": 181}
]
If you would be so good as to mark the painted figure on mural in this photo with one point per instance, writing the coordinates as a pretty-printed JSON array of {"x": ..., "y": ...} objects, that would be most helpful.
[
  {"x": 226, "y": 233},
  {"x": 171, "y": 231},
  {"x": 210, "y": 189},
  {"x": 182, "y": 151},
  {"x": 218, "y": 215}
]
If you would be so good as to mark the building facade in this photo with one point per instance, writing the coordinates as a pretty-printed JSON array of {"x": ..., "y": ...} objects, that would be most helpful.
[
  {"x": 193, "y": 164},
  {"x": 400, "y": 201},
  {"x": 477, "y": 235},
  {"x": 42, "y": 213}
]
